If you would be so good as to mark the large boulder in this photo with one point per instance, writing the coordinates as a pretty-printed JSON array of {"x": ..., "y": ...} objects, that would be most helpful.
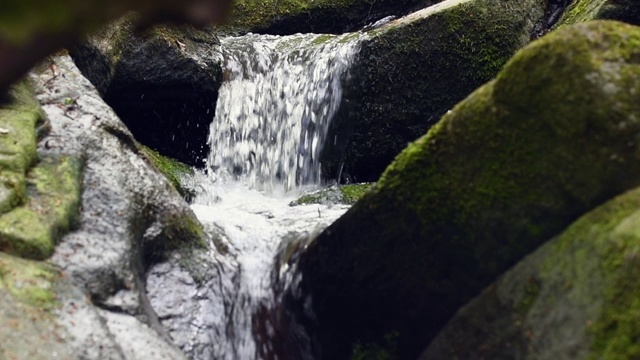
[
  {"x": 284, "y": 17},
  {"x": 552, "y": 137},
  {"x": 163, "y": 83},
  {"x": 574, "y": 298},
  {"x": 413, "y": 70}
]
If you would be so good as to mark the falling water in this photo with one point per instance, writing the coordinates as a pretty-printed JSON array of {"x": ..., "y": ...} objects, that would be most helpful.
[
  {"x": 274, "y": 108},
  {"x": 271, "y": 121}
]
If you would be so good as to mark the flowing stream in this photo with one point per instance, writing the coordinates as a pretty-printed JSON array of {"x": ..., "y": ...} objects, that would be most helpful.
[{"x": 272, "y": 116}]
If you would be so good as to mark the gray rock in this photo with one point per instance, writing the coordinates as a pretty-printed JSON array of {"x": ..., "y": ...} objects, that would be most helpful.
[
  {"x": 131, "y": 220},
  {"x": 163, "y": 83}
]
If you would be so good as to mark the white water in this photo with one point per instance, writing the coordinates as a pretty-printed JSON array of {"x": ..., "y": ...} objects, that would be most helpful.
[
  {"x": 274, "y": 108},
  {"x": 271, "y": 122}
]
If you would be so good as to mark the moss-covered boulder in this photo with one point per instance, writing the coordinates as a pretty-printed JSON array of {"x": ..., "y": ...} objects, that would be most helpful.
[
  {"x": 584, "y": 10},
  {"x": 413, "y": 70},
  {"x": 320, "y": 16},
  {"x": 552, "y": 137},
  {"x": 163, "y": 83},
  {"x": 574, "y": 298},
  {"x": 53, "y": 196}
]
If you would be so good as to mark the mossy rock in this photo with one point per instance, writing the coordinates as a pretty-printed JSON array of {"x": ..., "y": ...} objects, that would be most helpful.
[
  {"x": 575, "y": 297},
  {"x": 555, "y": 135},
  {"x": 172, "y": 169},
  {"x": 29, "y": 282},
  {"x": 28, "y": 301},
  {"x": 585, "y": 10},
  {"x": 343, "y": 194},
  {"x": 33, "y": 229},
  {"x": 412, "y": 71},
  {"x": 18, "y": 121},
  {"x": 284, "y": 17}
]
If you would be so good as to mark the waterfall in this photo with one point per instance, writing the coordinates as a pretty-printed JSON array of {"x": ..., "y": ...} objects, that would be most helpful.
[
  {"x": 275, "y": 105},
  {"x": 273, "y": 112}
]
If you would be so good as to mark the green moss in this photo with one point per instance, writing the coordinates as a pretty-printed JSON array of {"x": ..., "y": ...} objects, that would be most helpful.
[
  {"x": 343, "y": 194},
  {"x": 313, "y": 198},
  {"x": 581, "y": 10},
  {"x": 29, "y": 282},
  {"x": 17, "y": 144},
  {"x": 352, "y": 193},
  {"x": 616, "y": 330},
  {"x": 32, "y": 230},
  {"x": 598, "y": 259},
  {"x": 260, "y": 14},
  {"x": 172, "y": 169}
]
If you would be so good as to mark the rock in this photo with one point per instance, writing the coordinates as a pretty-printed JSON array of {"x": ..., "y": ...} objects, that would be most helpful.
[
  {"x": 552, "y": 137},
  {"x": 584, "y": 10},
  {"x": 30, "y": 31},
  {"x": 574, "y": 298},
  {"x": 285, "y": 17},
  {"x": 413, "y": 70},
  {"x": 343, "y": 194},
  {"x": 90, "y": 300},
  {"x": 174, "y": 170},
  {"x": 53, "y": 189},
  {"x": 163, "y": 83}
]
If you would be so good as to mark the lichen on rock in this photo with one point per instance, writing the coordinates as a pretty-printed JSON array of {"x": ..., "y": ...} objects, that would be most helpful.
[
  {"x": 510, "y": 166},
  {"x": 320, "y": 16},
  {"x": 173, "y": 169},
  {"x": 18, "y": 120}
]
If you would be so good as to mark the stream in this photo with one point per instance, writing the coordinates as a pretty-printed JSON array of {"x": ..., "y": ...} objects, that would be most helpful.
[{"x": 274, "y": 108}]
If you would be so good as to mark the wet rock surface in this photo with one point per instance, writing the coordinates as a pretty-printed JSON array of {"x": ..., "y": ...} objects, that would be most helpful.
[
  {"x": 163, "y": 83},
  {"x": 472, "y": 197}
]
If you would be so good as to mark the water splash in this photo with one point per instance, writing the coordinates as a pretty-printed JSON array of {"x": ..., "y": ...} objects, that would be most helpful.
[
  {"x": 275, "y": 106},
  {"x": 251, "y": 227}
]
